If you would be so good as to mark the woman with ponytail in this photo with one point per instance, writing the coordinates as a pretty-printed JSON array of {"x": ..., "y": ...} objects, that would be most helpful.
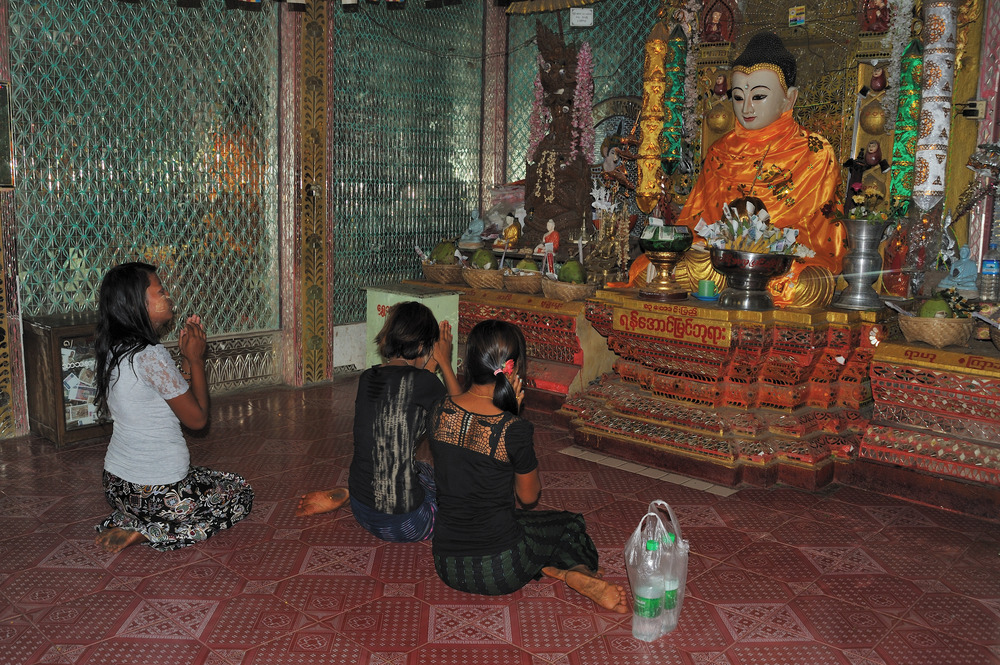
[{"x": 484, "y": 460}]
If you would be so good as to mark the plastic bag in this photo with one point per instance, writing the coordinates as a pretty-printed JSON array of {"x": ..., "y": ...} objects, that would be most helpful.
[{"x": 656, "y": 554}]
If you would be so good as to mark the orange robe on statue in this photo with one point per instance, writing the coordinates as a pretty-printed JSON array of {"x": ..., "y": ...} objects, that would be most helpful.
[{"x": 799, "y": 183}]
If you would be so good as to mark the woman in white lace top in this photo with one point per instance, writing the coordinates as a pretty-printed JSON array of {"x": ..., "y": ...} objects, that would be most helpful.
[{"x": 156, "y": 495}]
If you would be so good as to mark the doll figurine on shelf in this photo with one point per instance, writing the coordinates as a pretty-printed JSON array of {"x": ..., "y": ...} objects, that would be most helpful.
[
  {"x": 870, "y": 157},
  {"x": 878, "y": 81},
  {"x": 721, "y": 87}
]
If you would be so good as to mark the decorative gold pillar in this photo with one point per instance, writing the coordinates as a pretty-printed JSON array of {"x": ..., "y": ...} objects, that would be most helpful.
[
  {"x": 315, "y": 341},
  {"x": 965, "y": 131}
]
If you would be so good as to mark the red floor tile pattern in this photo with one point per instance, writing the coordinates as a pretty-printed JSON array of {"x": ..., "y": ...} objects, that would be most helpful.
[{"x": 777, "y": 575}]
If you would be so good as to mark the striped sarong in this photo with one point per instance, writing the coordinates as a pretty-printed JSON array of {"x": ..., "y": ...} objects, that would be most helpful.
[{"x": 551, "y": 538}]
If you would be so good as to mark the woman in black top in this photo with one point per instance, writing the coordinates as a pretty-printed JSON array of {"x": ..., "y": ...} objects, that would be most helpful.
[
  {"x": 484, "y": 458},
  {"x": 391, "y": 493}
]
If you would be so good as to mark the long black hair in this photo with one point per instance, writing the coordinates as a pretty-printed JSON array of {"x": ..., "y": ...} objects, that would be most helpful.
[
  {"x": 410, "y": 331},
  {"x": 489, "y": 346},
  {"x": 123, "y": 326}
]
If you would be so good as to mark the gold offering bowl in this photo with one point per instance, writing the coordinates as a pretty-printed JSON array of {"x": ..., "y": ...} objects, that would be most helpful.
[{"x": 664, "y": 246}]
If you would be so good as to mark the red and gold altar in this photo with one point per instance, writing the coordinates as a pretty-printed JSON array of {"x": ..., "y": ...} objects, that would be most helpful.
[{"x": 822, "y": 387}]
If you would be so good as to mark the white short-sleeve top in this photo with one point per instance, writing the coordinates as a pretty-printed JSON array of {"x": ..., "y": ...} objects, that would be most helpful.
[{"x": 147, "y": 446}]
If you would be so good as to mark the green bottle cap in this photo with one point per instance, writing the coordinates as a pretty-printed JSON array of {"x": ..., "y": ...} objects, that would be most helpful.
[
  {"x": 671, "y": 538},
  {"x": 652, "y": 545}
]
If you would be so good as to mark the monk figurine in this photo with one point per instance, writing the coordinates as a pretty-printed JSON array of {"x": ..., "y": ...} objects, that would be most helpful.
[{"x": 792, "y": 170}]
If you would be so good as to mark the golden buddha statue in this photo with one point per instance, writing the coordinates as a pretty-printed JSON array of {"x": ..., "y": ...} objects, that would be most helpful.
[{"x": 511, "y": 235}]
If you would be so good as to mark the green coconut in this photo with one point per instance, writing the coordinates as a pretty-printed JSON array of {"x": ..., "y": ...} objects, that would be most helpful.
[
  {"x": 444, "y": 253},
  {"x": 937, "y": 304},
  {"x": 482, "y": 258},
  {"x": 572, "y": 271},
  {"x": 526, "y": 264}
]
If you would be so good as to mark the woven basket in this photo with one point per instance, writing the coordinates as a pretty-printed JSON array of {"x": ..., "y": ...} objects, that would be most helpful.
[
  {"x": 530, "y": 282},
  {"x": 995, "y": 335},
  {"x": 566, "y": 291},
  {"x": 442, "y": 273},
  {"x": 939, "y": 333},
  {"x": 483, "y": 279}
]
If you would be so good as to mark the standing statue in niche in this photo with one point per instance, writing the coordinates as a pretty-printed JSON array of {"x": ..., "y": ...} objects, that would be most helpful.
[
  {"x": 874, "y": 15},
  {"x": 713, "y": 28},
  {"x": 558, "y": 184}
]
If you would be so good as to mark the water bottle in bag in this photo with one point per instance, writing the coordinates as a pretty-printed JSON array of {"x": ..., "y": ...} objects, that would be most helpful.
[
  {"x": 647, "y": 607},
  {"x": 671, "y": 584}
]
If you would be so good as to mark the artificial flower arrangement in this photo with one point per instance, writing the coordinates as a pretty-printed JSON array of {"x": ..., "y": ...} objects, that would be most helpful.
[
  {"x": 866, "y": 199},
  {"x": 746, "y": 227}
]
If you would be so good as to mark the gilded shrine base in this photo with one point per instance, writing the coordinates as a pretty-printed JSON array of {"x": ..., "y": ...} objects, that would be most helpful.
[
  {"x": 935, "y": 426},
  {"x": 731, "y": 397},
  {"x": 799, "y": 397}
]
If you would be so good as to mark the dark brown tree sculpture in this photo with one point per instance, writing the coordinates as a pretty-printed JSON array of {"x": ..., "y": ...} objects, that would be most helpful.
[{"x": 558, "y": 182}]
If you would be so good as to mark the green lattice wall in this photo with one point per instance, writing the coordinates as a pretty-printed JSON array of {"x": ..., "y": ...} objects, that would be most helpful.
[
  {"x": 620, "y": 29},
  {"x": 405, "y": 140},
  {"x": 145, "y": 131}
]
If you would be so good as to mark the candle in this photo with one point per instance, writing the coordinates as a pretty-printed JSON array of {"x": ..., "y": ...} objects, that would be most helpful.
[{"x": 579, "y": 244}]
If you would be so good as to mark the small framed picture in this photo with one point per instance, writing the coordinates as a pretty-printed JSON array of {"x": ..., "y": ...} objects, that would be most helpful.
[{"x": 796, "y": 16}]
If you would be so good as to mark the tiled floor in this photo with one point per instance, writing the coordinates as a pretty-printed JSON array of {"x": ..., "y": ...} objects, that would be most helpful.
[{"x": 777, "y": 576}]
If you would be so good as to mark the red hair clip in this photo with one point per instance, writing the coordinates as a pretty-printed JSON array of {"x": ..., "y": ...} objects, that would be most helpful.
[{"x": 508, "y": 368}]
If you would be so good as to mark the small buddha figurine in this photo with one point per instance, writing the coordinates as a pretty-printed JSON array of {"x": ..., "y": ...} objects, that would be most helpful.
[
  {"x": 962, "y": 275},
  {"x": 551, "y": 236},
  {"x": 472, "y": 238},
  {"x": 511, "y": 236},
  {"x": 713, "y": 28},
  {"x": 874, "y": 16}
]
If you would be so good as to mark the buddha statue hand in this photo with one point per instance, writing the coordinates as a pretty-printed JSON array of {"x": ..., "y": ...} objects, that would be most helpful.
[{"x": 803, "y": 285}]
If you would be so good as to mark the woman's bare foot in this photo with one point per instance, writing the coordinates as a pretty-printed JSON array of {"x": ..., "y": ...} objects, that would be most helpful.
[
  {"x": 321, "y": 501},
  {"x": 599, "y": 573},
  {"x": 116, "y": 539},
  {"x": 608, "y": 595}
]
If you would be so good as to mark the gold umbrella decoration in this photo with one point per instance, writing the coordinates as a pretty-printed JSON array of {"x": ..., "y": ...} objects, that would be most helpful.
[{"x": 539, "y": 6}]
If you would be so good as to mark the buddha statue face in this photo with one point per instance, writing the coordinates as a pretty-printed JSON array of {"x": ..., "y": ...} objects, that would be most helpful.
[{"x": 759, "y": 99}]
